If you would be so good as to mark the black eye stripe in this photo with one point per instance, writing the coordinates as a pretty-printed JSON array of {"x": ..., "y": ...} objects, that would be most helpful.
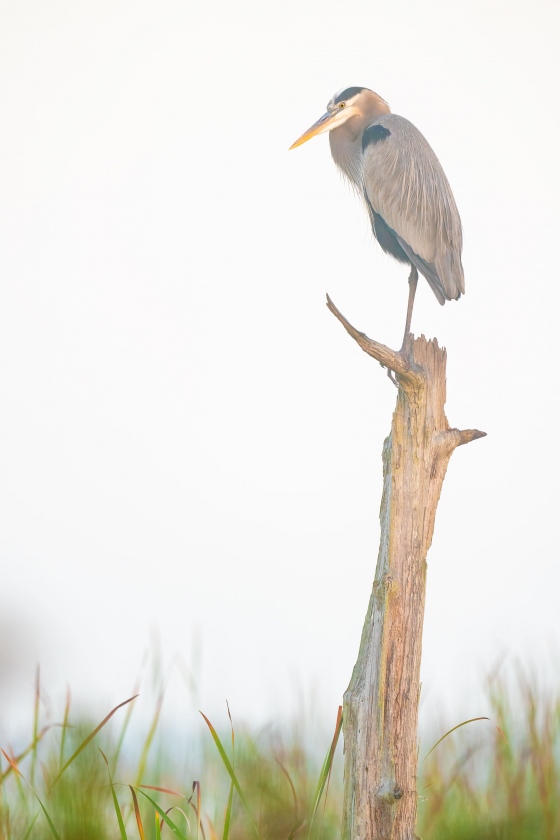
[{"x": 348, "y": 94}]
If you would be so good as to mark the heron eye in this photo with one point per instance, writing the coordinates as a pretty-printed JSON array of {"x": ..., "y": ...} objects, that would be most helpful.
[{"x": 342, "y": 105}]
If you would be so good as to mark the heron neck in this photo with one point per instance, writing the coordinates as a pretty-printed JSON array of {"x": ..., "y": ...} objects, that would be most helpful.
[{"x": 346, "y": 150}]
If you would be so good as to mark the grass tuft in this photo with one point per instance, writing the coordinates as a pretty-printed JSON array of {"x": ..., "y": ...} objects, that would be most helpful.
[{"x": 481, "y": 783}]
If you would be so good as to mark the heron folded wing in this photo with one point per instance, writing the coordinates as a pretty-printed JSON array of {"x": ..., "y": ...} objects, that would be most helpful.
[{"x": 405, "y": 184}]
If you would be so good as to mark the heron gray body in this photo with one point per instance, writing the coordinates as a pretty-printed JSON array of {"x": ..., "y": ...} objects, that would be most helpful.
[{"x": 407, "y": 195}]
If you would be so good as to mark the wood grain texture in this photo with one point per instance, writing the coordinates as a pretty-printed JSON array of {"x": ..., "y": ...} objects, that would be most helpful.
[{"x": 381, "y": 702}]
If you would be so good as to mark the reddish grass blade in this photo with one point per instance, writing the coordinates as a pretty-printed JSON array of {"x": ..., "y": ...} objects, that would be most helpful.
[
  {"x": 137, "y": 813},
  {"x": 232, "y": 730},
  {"x": 55, "y": 833},
  {"x": 213, "y": 835},
  {"x": 295, "y": 830},
  {"x": 19, "y": 758},
  {"x": 287, "y": 775},
  {"x": 163, "y": 790},
  {"x": 92, "y": 735},
  {"x": 195, "y": 809},
  {"x": 196, "y": 786},
  {"x": 299, "y": 823}
]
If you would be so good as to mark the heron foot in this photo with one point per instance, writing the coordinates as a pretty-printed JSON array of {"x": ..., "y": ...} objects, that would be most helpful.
[
  {"x": 390, "y": 374},
  {"x": 392, "y": 377}
]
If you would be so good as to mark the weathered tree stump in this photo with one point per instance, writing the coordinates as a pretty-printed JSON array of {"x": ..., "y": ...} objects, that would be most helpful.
[{"x": 380, "y": 716}]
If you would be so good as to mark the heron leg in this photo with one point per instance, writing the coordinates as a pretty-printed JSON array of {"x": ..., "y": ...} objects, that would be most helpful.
[{"x": 412, "y": 284}]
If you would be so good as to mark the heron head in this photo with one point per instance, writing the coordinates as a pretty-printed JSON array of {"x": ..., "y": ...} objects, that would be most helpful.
[{"x": 344, "y": 105}]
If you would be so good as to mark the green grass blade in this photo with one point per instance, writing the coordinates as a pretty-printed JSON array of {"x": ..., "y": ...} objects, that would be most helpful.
[
  {"x": 227, "y": 819},
  {"x": 148, "y": 742},
  {"x": 158, "y": 829},
  {"x": 174, "y": 828},
  {"x": 55, "y": 833},
  {"x": 177, "y": 808},
  {"x": 115, "y": 800},
  {"x": 230, "y": 770},
  {"x": 91, "y": 735},
  {"x": 459, "y": 725},
  {"x": 64, "y": 726},
  {"x": 325, "y": 770},
  {"x": 30, "y": 829},
  {"x": 124, "y": 728},
  {"x": 36, "y": 710}
]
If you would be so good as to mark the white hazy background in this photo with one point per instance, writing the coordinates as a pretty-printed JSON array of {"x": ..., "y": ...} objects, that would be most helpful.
[{"x": 190, "y": 445}]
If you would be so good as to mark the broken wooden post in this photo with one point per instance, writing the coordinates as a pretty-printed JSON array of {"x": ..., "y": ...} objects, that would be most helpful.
[{"x": 380, "y": 716}]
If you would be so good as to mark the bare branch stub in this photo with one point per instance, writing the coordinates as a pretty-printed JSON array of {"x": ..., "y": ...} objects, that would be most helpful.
[
  {"x": 468, "y": 435},
  {"x": 392, "y": 359}
]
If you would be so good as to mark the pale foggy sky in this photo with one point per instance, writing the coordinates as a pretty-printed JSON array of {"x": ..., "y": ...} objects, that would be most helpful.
[{"x": 190, "y": 444}]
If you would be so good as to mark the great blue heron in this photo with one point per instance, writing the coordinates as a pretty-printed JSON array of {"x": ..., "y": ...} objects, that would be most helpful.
[{"x": 393, "y": 168}]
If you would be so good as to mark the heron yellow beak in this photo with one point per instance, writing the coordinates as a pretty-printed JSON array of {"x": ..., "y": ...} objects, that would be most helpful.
[{"x": 323, "y": 124}]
